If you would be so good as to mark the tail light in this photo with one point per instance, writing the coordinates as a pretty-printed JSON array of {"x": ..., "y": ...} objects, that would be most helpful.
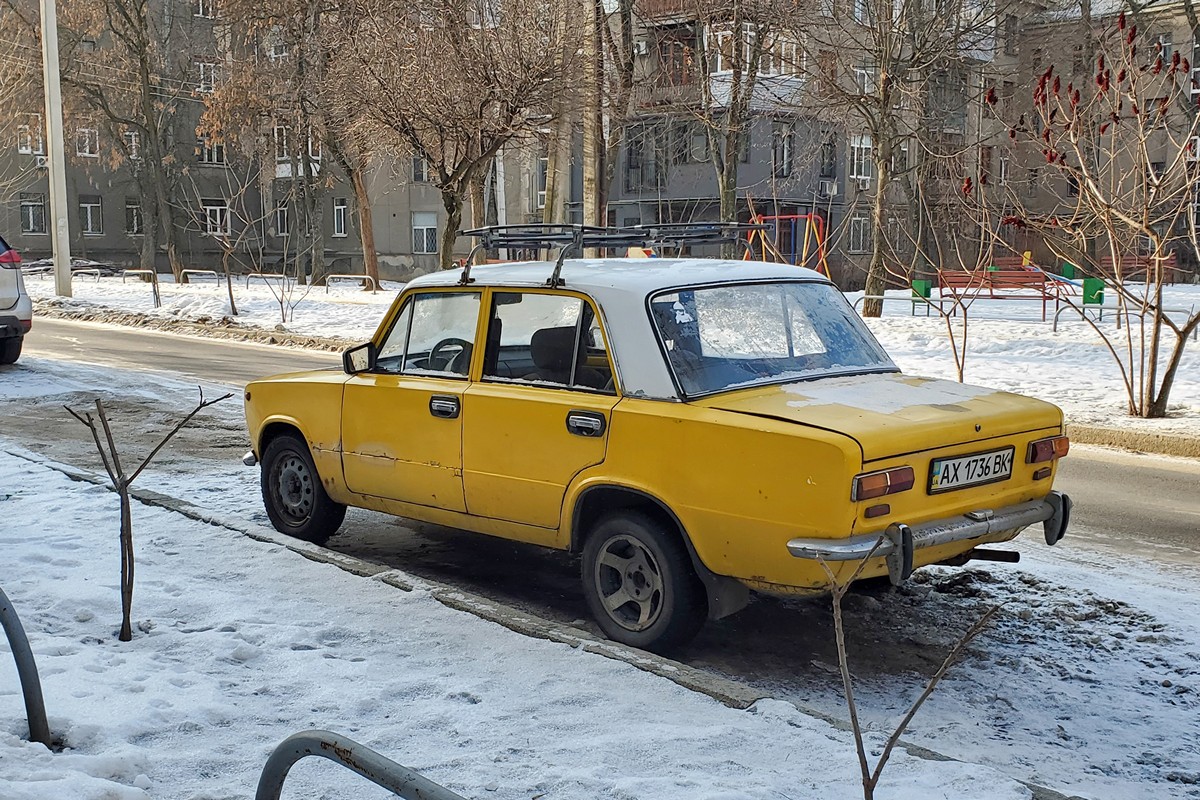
[
  {"x": 1047, "y": 449},
  {"x": 877, "y": 484},
  {"x": 9, "y": 259}
]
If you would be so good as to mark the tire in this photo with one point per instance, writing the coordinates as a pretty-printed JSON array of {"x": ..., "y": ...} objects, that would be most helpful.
[
  {"x": 293, "y": 495},
  {"x": 10, "y": 350},
  {"x": 630, "y": 554}
]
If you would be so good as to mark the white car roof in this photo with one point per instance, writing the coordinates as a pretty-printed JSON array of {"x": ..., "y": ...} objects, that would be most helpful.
[{"x": 620, "y": 287}]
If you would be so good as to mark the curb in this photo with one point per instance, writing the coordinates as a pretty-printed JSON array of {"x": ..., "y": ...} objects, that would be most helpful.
[
  {"x": 730, "y": 693},
  {"x": 1164, "y": 444}
]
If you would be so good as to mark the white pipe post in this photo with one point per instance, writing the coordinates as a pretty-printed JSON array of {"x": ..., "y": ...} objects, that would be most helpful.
[{"x": 57, "y": 161}]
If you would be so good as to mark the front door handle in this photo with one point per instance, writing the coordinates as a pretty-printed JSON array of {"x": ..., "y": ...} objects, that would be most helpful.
[
  {"x": 585, "y": 423},
  {"x": 444, "y": 406}
]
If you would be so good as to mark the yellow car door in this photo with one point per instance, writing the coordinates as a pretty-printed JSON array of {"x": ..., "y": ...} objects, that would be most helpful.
[
  {"x": 540, "y": 412},
  {"x": 402, "y": 419}
]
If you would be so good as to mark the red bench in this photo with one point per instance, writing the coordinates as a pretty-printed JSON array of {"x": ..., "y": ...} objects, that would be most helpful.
[
  {"x": 1000, "y": 284},
  {"x": 1136, "y": 266}
]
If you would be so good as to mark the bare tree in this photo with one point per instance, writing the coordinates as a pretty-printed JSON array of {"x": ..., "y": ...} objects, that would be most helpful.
[
  {"x": 838, "y": 589},
  {"x": 453, "y": 81},
  {"x": 20, "y": 100},
  {"x": 131, "y": 67},
  {"x": 1116, "y": 140},
  {"x": 121, "y": 481}
]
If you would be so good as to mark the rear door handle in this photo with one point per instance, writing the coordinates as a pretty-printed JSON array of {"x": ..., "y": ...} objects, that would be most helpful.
[
  {"x": 444, "y": 406},
  {"x": 585, "y": 423}
]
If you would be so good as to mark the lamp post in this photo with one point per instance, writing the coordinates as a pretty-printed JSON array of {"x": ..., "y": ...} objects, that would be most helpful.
[{"x": 57, "y": 161}]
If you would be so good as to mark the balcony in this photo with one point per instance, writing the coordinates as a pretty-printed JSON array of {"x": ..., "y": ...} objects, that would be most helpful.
[
  {"x": 662, "y": 9},
  {"x": 665, "y": 95}
]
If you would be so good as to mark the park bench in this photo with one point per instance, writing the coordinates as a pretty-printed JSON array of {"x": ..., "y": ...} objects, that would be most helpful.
[
  {"x": 1000, "y": 283},
  {"x": 1133, "y": 266}
]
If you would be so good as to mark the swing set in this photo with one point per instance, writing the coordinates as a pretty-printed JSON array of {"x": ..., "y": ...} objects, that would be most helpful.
[{"x": 790, "y": 239}]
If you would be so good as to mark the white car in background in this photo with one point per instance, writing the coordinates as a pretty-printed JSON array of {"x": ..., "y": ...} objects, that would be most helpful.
[{"x": 16, "y": 310}]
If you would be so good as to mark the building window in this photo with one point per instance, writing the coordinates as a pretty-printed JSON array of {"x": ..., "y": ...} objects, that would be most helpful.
[
  {"x": 784, "y": 57},
  {"x": 283, "y": 150},
  {"x": 825, "y": 8},
  {"x": 1164, "y": 45},
  {"x": 29, "y": 135},
  {"x": 1033, "y": 183},
  {"x": 862, "y": 11},
  {"x": 87, "y": 142},
  {"x": 281, "y": 220},
  {"x": 1010, "y": 35},
  {"x": 420, "y": 170},
  {"x": 783, "y": 139},
  {"x": 208, "y": 73},
  {"x": 215, "y": 215},
  {"x": 1072, "y": 186},
  {"x": 278, "y": 50},
  {"x": 860, "y": 232},
  {"x": 210, "y": 152},
  {"x": 689, "y": 142},
  {"x": 425, "y": 234},
  {"x": 206, "y": 8},
  {"x": 864, "y": 79},
  {"x": 33, "y": 213},
  {"x": 861, "y": 166},
  {"x": 91, "y": 215},
  {"x": 646, "y": 152},
  {"x": 829, "y": 156},
  {"x": 341, "y": 208},
  {"x": 1003, "y": 176},
  {"x": 133, "y": 145},
  {"x": 543, "y": 176},
  {"x": 900, "y": 158},
  {"x": 985, "y": 163},
  {"x": 133, "y": 216}
]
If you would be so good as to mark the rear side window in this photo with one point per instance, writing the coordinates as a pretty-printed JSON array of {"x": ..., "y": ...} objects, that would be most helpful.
[{"x": 549, "y": 340}]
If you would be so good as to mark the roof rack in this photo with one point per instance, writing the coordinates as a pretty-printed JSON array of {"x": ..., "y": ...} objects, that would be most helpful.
[{"x": 575, "y": 238}]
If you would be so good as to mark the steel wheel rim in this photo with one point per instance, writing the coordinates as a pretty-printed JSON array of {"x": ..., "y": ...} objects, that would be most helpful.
[
  {"x": 294, "y": 488},
  {"x": 629, "y": 581}
]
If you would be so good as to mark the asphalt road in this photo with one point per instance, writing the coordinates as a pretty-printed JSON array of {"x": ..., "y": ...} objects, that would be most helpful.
[{"x": 1120, "y": 498}]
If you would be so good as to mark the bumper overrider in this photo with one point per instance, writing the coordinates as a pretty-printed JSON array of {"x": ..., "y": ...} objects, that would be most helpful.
[{"x": 900, "y": 541}]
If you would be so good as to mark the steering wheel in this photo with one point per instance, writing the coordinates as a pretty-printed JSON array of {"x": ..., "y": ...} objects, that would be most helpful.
[{"x": 436, "y": 352}]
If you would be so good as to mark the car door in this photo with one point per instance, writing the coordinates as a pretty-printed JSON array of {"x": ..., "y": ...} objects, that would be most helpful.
[
  {"x": 540, "y": 411},
  {"x": 402, "y": 421}
]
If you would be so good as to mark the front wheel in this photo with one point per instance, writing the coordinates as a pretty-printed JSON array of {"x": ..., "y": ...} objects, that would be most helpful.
[
  {"x": 640, "y": 584},
  {"x": 10, "y": 350},
  {"x": 292, "y": 492}
]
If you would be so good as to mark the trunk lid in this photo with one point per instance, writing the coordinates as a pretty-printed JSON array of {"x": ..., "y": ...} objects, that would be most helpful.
[{"x": 893, "y": 414}]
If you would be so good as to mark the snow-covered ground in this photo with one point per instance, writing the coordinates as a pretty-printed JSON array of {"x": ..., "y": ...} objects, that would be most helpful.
[
  {"x": 239, "y": 643},
  {"x": 1010, "y": 347},
  {"x": 1088, "y": 682}
]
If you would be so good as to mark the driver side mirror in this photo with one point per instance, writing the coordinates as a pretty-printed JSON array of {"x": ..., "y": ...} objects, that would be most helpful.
[{"x": 360, "y": 358}]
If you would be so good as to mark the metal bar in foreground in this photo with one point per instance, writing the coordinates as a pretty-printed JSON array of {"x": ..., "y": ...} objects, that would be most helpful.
[
  {"x": 31, "y": 686},
  {"x": 378, "y": 769}
]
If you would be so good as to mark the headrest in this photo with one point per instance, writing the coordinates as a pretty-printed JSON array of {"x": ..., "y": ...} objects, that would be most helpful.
[{"x": 552, "y": 348}]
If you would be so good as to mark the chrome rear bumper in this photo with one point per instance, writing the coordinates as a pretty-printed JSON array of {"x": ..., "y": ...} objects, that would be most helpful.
[{"x": 898, "y": 543}]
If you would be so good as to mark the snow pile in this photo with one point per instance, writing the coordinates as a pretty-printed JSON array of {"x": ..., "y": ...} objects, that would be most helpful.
[{"x": 239, "y": 644}]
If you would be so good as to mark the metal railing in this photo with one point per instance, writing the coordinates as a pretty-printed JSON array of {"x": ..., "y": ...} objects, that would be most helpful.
[
  {"x": 269, "y": 277},
  {"x": 128, "y": 272},
  {"x": 183, "y": 274},
  {"x": 378, "y": 769},
  {"x": 31, "y": 687},
  {"x": 363, "y": 279},
  {"x": 1120, "y": 312}
]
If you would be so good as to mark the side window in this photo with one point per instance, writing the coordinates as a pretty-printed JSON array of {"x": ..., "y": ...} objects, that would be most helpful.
[
  {"x": 548, "y": 339},
  {"x": 434, "y": 334}
]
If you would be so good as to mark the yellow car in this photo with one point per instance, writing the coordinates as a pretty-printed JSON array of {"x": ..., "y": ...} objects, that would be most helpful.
[{"x": 695, "y": 428}]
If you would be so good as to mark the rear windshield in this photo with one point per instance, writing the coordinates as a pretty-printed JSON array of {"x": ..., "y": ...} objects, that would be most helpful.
[{"x": 726, "y": 337}]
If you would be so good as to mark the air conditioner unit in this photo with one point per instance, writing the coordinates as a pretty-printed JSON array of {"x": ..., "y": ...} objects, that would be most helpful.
[
  {"x": 862, "y": 184},
  {"x": 826, "y": 188},
  {"x": 641, "y": 47},
  {"x": 41, "y": 162}
]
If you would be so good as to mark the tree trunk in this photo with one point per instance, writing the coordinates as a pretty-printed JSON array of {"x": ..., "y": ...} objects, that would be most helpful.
[
  {"x": 228, "y": 281},
  {"x": 126, "y": 633},
  {"x": 1158, "y": 408},
  {"x": 366, "y": 224},
  {"x": 877, "y": 270},
  {"x": 452, "y": 201}
]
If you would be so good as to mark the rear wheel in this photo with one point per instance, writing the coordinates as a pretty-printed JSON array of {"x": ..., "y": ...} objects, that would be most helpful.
[
  {"x": 640, "y": 584},
  {"x": 292, "y": 492},
  {"x": 10, "y": 350}
]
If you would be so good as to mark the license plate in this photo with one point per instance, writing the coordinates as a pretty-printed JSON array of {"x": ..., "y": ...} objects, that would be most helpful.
[{"x": 959, "y": 472}]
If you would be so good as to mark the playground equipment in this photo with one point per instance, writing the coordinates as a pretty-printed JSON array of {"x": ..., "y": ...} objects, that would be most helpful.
[{"x": 790, "y": 239}]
